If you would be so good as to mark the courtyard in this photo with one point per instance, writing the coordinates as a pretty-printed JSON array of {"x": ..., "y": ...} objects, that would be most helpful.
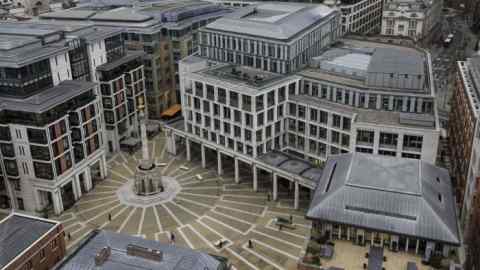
[{"x": 207, "y": 209}]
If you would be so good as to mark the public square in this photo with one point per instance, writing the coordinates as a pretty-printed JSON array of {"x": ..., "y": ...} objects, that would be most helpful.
[{"x": 202, "y": 213}]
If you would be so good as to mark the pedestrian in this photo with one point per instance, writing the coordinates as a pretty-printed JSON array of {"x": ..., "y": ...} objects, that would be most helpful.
[
  {"x": 268, "y": 196},
  {"x": 291, "y": 219},
  {"x": 69, "y": 236},
  {"x": 280, "y": 227},
  {"x": 172, "y": 238},
  {"x": 109, "y": 217},
  {"x": 250, "y": 244}
]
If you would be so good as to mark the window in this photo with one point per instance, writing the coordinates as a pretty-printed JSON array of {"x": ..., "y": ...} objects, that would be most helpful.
[
  {"x": 323, "y": 117},
  {"x": 388, "y": 140},
  {"x": 336, "y": 121},
  {"x": 387, "y": 153},
  {"x": 365, "y": 137},
  {"x": 412, "y": 142}
]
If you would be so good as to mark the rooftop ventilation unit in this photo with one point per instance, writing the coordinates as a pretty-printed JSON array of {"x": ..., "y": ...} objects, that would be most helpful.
[
  {"x": 146, "y": 253},
  {"x": 102, "y": 256}
]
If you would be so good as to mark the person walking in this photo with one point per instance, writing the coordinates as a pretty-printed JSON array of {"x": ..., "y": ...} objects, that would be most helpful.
[
  {"x": 172, "y": 238},
  {"x": 109, "y": 217}
]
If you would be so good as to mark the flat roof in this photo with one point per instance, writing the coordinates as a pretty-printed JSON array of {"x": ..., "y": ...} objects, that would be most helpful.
[
  {"x": 370, "y": 116},
  {"x": 292, "y": 164},
  {"x": 18, "y": 232},
  {"x": 48, "y": 98},
  {"x": 131, "y": 55},
  {"x": 278, "y": 20},
  {"x": 388, "y": 194},
  {"x": 174, "y": 257}
]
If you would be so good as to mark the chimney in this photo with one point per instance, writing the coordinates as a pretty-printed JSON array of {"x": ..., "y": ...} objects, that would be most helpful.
[
  {"x": 143, "y": 252},
  {"x": 102, "y": 256}
]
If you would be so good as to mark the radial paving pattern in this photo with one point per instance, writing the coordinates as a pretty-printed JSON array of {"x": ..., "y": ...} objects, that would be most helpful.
[{"x": 203, "y": 212}]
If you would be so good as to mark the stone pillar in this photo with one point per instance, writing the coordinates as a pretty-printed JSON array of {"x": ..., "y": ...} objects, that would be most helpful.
[
  {"x": 406, "y": 246},
  {"x": 189, "y": 157},
  {"x": 77, "y": 190},
  {"x": 255, "y": 178},
  {"x": 219, "y": 159},
  {"x": 237, "y": 171},
  {"x": 417, "y": 246},
  {"x": 204, "y": 161},
  {"x": 275, "y": 187},
  {"x": 297, "y": 195},
  {"x": 103, "y": 167},
  {"x": 88, "y": 180},
  {"x": 57, "y": 202}
]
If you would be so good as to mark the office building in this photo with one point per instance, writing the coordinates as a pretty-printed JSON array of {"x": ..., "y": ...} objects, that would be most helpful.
[
  {"x": 28, "y": 242},
  {"x": 419, "y": 20},
  {"x": 357, "y": 16},
  {"x": 69, "y": 96},
  {"x": 166, "y": 31},
  {"x": 276, "y": 37},
  {"x": 403, "y": 204},
  {"x": 109, "y": 250},
  {"x": 464, "y": 147},
  {"x": 354, "y": 96}
]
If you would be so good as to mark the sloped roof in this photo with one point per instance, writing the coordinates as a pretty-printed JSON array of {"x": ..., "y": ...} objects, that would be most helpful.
[
  {"x": 396, "y": 195},
  {"x": 174, "y": 257},
  {"x": 277, "y": 20},
  {"x": 18, "y": 232}
]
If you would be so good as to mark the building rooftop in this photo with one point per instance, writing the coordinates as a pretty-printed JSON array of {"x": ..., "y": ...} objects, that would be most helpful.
[
  {"x": 292, "y": 164},
  {"x": 370, "y": 116},
  {"x": 397, "y": 195},
  {"x": 139, "y": 15},
  {"x": 18, "y": 232},
  {"x": 240, "y": 78},
  {"x": 280, "y": 21},
  {"x": 173, "y": 257},
  {"x": 48, "y": 98}
]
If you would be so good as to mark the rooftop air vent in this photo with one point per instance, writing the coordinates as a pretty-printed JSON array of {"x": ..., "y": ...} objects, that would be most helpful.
[
  {"x": 102, "y": 256},
  {"x": 143, "y": 252}
]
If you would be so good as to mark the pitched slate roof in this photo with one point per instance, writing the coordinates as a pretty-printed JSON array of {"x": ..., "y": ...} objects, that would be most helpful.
[
  {"x": 397, "y": 195},
  {"x": 174, "y": 258}
]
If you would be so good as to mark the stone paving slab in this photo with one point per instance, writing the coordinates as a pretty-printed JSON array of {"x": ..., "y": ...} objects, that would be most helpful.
[
  {"x": 225, "y": 231},
  {"x": 117, "y": 221},
  {"x": 278, "y": 244},
  {"x": 211, "y": 236},
  {"x": 297, "y": 240},
  {"x": 184, "y": 216},
  {"x": 249, "y": 200},
  {"x": 254, "y": 260},
  {"x": 243, "y": 207},
  {"x": 195, "y": 208},
  {"x": 233, "y": 259},
  {"x": 242, "y": 226},
  {"x": 103, "y": 218},
  {"x": 131, "y": 227},
  {"x": 167, "y": 221},
  {"x": 241, "y": 215},
  {"x": 196, "y": 198},
  {"x": 88, "y": 214},
  {"x": 150, "y": 225}
]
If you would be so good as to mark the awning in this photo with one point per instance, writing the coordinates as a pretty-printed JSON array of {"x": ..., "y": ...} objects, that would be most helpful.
[{"x": 172, "y": 110}]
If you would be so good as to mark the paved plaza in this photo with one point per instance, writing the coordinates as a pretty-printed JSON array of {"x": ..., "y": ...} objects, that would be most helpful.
[{"x": 202, "y": 212}]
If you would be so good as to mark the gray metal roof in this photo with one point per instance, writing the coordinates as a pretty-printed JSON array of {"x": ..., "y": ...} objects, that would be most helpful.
[
  {"x": 174, "y": 258},
  {"x": 391, "y": 60},
  {"x": 48, "y": 98},
  {"x": 131, "y": 55},
  {"x": 275, "y": 20},
  {"x": 18, "y": 232},
  {"x": 400, "y": 196}
]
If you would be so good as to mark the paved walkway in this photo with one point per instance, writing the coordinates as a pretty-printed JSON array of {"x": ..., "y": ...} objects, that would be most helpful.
[{"x": 203, "y": 212}]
